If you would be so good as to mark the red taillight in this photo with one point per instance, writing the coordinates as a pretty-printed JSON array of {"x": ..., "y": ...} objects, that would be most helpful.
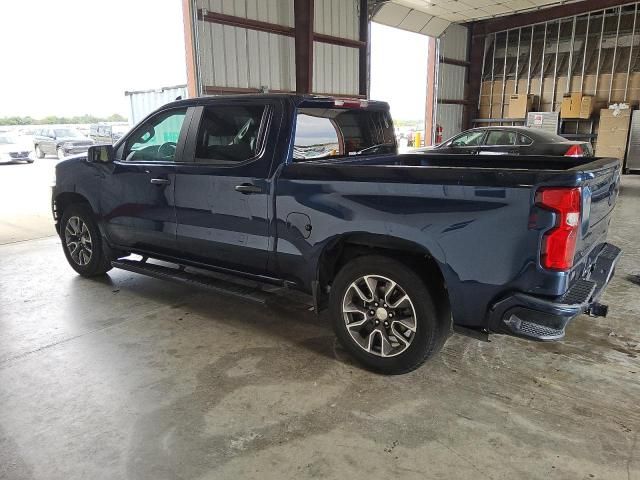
[
  {"x": 559, "y": 243},
  {"x": 575, "y": 151}
]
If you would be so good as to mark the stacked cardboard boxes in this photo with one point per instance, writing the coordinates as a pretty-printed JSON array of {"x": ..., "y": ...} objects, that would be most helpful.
[
  {"x": 613, "y": 133},
  {"x": 577, "y": 106}
]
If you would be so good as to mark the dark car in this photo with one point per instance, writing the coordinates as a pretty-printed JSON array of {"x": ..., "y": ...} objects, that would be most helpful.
[
  {"x": 62, "y": 142},
  {"x": 309, "y": 193},
  {"x": 511, "y": 141}
]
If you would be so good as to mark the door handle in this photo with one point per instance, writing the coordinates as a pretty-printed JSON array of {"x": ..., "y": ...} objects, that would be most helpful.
[
  {"x": 248, "y": 188},
  {"x": 160, "y": 181}
]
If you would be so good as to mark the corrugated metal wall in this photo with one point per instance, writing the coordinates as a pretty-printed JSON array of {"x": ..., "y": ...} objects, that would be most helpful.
[
  {"x": 335, "y": 68},
  {"x": 241, "y": 58},
  {"x": 143, "y": 102},
  {"x": 233, "y": 57},
  {"x": 338, "y": 18},
  {"x": 279, "y": 12},
  {"x": 452, "y": 79}
]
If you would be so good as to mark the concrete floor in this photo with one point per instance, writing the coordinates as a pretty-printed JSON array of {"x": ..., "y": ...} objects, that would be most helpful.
[{"x": 131, "y": 377}]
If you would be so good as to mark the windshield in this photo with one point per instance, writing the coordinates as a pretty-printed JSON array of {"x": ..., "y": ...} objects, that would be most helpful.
[
  {"x": 5, "y": 140},
  {"x": 67, "y": 133},
  {"x": 335, "y": 132}
]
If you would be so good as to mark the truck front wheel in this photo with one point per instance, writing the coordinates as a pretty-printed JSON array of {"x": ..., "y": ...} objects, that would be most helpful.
[
  {"x": 384, "y": 315},
  {"x": 82, "y": 243}
]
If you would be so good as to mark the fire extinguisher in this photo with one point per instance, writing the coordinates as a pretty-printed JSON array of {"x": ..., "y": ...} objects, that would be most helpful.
[{"x": 438, "y": 134}]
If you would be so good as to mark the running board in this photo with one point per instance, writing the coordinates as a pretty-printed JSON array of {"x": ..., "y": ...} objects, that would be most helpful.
[{"x": 250, "y": 291}]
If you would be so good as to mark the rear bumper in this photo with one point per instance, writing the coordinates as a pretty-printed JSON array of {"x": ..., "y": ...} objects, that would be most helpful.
[{"x": 545, "y": 319}]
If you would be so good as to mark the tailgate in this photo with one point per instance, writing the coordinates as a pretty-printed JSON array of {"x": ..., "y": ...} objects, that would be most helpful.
[{"x": 599, "y": 195}]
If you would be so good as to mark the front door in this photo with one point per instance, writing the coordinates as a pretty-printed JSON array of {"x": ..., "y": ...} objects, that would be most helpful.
[
  {"x": 137, "y": 190},
  {"x": 222, "y": 198}
]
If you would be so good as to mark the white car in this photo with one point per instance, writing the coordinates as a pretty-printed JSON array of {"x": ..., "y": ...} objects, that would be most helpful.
[{"x": 13, "y": 150}]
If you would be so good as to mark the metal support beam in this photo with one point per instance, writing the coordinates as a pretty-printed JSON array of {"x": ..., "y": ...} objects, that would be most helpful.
[
  {"x": 584, "y": 54},
  {"x": 429, "y": 119},
  {"x": 303, "y": 21},
  {"x": 604, "y": 17},
  {"x": 567, "y": 88},
  {"x": 364, "y": 53},
  {"x": 633, "y": 41},
  {"x": 544, "y": 48},
  {"x": 555, "y": 68},
  {"x": 615, "y": 53},
  {"x": 504, "y": 72},
  {"x": 190, "y": 23},
  {"x": 530, "y": 60}
]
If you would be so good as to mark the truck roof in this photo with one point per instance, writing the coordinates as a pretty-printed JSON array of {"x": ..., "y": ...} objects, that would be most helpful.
[{"x": 296, "y": 98}]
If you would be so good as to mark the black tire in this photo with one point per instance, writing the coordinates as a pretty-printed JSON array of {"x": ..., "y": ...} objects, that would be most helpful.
[
  {"x": 431, "y": 331},
  {"x": 99, "y": 263},
  {"x": 39, "y": 152},
  {"x": 30, "y": 161}
]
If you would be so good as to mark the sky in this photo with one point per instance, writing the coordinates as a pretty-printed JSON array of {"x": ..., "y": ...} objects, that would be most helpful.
[
  {"x": 71, "y": 57},
  {"x": 399, "y": 71}
]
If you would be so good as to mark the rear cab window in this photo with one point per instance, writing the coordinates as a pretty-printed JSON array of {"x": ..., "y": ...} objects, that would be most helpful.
[{"x": 323, "y": 133}]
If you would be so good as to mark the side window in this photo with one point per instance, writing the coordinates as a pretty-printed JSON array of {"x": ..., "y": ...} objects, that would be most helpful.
[
  {"x": 471, "y": 139},
  {"x": 316, "y": 137},
  {"x": 156, "y": 140},
  {"x": 524, "y": 140},
  {"x": 501, "y": 137},
  {"x": 229, "y": 134}
]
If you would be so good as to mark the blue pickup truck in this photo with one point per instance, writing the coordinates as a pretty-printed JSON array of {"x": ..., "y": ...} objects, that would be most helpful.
[{"x": 243, "y": 193}]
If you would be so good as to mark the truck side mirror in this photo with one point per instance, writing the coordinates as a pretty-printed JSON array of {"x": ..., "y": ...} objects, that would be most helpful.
[{"x": 100, "y": 154}]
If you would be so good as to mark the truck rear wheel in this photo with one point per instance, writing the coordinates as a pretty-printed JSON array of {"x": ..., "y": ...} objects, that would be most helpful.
[
  {"x": 82, "y": 242},
  {"x": 384, "y": 314}
]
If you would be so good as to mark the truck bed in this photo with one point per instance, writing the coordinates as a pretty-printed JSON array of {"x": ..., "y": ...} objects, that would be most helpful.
[{"x": 502, "y": 162}]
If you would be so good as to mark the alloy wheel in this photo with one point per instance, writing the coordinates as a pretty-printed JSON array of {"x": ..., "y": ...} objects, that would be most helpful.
[
  {"x": 78, "y": 240},
  {"x": 379, "y": 315}
]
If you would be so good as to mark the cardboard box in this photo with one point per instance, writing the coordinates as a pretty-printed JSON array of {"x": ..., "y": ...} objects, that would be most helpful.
[
  {"x": 576, "y": 105},
  {"x": 519, "y": 105},
  {"x": 613, "y": 133}
]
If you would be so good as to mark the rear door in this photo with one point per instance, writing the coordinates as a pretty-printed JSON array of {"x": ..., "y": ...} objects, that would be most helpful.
[
  {"x": 500, "y": 142},
  {"x": 223, "y": 196}
]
